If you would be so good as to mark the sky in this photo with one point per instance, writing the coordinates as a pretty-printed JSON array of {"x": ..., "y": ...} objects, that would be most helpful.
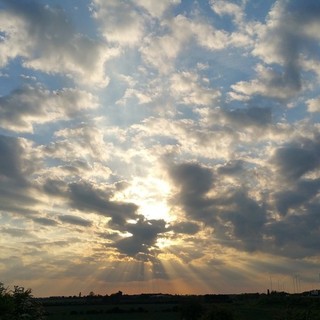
[{"x": 159, "y": 146}]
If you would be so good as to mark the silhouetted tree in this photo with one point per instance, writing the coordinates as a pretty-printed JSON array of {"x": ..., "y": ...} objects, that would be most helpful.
[{"x": 18, "y": 304}]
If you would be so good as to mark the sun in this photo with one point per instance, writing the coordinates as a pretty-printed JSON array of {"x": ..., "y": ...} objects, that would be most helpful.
[{"x": 150, "y": 195}]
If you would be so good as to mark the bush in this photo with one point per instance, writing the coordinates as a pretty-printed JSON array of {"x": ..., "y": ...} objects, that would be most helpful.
[{"x": 18, "y": 304}]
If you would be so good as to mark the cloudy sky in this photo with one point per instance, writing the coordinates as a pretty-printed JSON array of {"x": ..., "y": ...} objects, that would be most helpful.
[{"x": 159, "y": 146}]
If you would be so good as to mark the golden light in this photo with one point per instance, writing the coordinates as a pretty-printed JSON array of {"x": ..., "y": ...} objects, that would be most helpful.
[{"x": 150, "y": 194}]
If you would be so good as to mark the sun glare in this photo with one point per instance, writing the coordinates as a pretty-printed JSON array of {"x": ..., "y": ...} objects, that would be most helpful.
[{"x": 150, "y": 195}]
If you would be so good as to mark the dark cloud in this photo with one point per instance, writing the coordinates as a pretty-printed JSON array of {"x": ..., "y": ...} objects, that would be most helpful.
[
  {"x": 240, "y": 220},
  {"x": 16, "y": 165},
  {"x": 55, "y": 187},
  {"x": 75, "y": 220},
  {"x": 290, "y": 34},
  {"x": 296, "y": 235},
  {"x": 10, "y": 159},
  {"x": 194, "y": 182},
  {"x": 247, "y": 218},
  {"x": 45, "y": 221},
  {"x": 301, "y": 193},
  {"x": 297, "y": 158},
  {"x": 231, "y": 168},
  {"x": 185, "y": 227},
  {"x": 144, "y": 236},
  {"x": 192, "y": 178},
  {"x": 85, "y": 197}
]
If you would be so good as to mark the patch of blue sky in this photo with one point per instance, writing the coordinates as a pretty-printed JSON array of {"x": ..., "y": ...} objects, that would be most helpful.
[
  {"x": 80, "y": 12},
  {"x": 15, "y": 70},
  {"x": 127, "y": 114},
  {"x": 185, "y": 7},
  {"x": 257, "y": 10}
]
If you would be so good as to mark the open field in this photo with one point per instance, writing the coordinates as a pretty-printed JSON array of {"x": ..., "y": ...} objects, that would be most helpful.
[
  {"x": 241, "y": 308},
  {"x": 87, "y": 312}
]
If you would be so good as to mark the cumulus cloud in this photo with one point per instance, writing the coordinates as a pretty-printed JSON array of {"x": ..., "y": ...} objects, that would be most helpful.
[
  {"x": 297, "y": 158},
  {"x": 158, "y": 8},
  {"x": 33, "y": 105},
  {"x": 45, "y": 38},
  {"x": 162, "y": 51},
  {"x": 186, "y": 86},
  {"x": 301, "y": 193},
  {"x": 194, "y": 182},
  {"x": 313, "y": 105},
  {"x": 269, "y": 83},
  {"x": 85, "y": 197},
  {"x": 120, "y": 22},
  {"x": 144, "y": 234},
  {"x": 227, "y": 8}
]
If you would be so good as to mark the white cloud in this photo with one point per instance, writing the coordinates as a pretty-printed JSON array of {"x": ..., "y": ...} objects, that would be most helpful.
[
  {"x": 185, "y": 87},
  {"x": 120, "y": 22},
  {"x": 269, "y": 83},
  {"x": 49, "y": 43},
  {"x": 31, "y": 105},
  {"x": 313, "y": 105},
  {"x": 156, "y": 8},
  {"x": 161, "y": 51},
  {"x": 222, "y": 7}
]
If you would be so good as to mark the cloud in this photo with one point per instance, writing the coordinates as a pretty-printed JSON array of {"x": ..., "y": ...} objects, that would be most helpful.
[
  {"x": 157, "y": 9},
  {"x": 247, "y": 218},
  {"x": 144, "y": 236},
  {"x": 227, "y": 8},
  {"x": 45, "y": 38},
  {"x": 45, "y": 221},
  {"x": 313, "y": 105},
  {"x": 33, "y": 105},
  {"x": 289, "y": 28},
  {"x": 75, "y": 220},
  {"x": 231, "y": 168},
  {"x": 193, "y": 182},
  {"x": 296, "y": 235},
  {"x": 161, "y": 51},
  {"x": 297, "y": 158},
  {"x": 185, "y": 227},
  {"x": 269, "y": 83},
  {"x": 301, "y": 193},
  {"x": 185, "y": 87},
  {"x": 18, "y": 161},
  {"x": 83, "y": 196},
  {"x": 120, "y": 22},
  {"x": 11, "y": 163},
  {"x": 249, "y": 117}
]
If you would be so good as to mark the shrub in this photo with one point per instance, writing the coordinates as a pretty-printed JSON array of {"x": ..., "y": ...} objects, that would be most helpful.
[{"x": 18, "y": 304}]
